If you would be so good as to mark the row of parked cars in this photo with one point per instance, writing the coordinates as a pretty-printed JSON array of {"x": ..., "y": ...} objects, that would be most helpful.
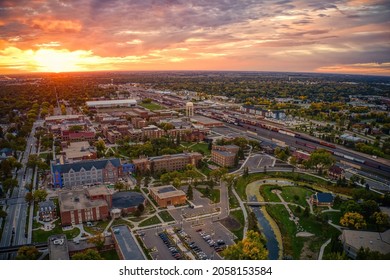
[
  {"x": 218, "y": 245},
  {"x": 171, "y": 246},
  {"x": 192, "y": 245}
]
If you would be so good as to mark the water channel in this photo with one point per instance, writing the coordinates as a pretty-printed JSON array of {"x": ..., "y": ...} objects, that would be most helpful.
[{"x": 272, "y": 243}]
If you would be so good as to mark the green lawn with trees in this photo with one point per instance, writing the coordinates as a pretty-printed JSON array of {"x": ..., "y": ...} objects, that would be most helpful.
[{"x": 150, "y": 221}]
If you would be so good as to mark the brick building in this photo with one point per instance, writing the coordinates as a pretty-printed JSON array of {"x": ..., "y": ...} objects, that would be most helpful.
[
  {"x": 167, "y": 195},
  {"x": 224, "y": 155},
  {"x": 47, "y": 211},
  {"x": 85, "y": 205},
  {"x": 167, "y": 162}
]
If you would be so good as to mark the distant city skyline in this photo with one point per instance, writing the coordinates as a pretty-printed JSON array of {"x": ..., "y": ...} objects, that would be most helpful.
[{"x": 335, "y": 36}]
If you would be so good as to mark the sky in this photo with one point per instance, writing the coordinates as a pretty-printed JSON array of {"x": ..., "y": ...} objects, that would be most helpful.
[{"x": 334, "y": 36}]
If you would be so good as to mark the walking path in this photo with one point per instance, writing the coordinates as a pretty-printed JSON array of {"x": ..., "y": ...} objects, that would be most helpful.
[{"x": 323, "y": 249}]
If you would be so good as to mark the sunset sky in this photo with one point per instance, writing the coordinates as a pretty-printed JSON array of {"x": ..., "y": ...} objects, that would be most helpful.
[{"x": 282, "y": 35}]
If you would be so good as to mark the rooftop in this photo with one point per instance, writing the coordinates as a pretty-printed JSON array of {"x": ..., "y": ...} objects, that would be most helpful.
[
  {"x": 205, "y": 120},
  {"x": 98, "y": 190},
  {"x": 111, "y": 102},
  {"x": 166, "y": 191},
  {"x": 127, "y": 199},
  {"x": 77, "y": 200},
  {"x": 375, "y": 241},
  {"x": 78, "y": 149},
  {"x": 86, "y": 164},
  {"x": 127, "y": 243}
]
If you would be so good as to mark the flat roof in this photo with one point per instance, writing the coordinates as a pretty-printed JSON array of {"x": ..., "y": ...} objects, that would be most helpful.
[
  {"x": 375, "y": 241},
  {"x": 62, "y": 117},
  {"x": 127, "y": 243},
  {"x": 98, "y": 190},
  {"x": 167, "y": 191},
  {"x": 111, "y": 102},
  {"x": 77, "y": 200},
  {"x": 78, "y": 149},
  {"x": 205, "y": 120}
]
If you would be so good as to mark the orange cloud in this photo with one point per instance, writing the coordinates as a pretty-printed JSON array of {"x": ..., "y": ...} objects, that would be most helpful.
[
  {"x": 358, "y": 68},
  {"x": 56, "y": 25}
]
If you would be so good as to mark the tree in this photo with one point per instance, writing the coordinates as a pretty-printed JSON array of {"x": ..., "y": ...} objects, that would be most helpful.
[
  {"x": 380, "y": 219},
  {"x": 40, "y": 195},
  {"x": 176, "y": 183},
  {"x": 335, "y": 256},
  {"x": 29, "y": 197},
  {"x": 141, "y": 208},
  {"x": 27, "y": 253},
  {"x": 98, "y": 240},
  {"x": 3, "y": 214},
  {"x": 9, "y": 183},
  {"x": 89, "y": 254},
  {"x": 250, "y": 248},
  {"x": 320, "y": 159},
  {"x": 353, "y": 220},
  {"x": 166, "y": 178},
  {"x": 190, "y": 193},
  {"x": 119, "y": 186},
  {"x": 33, "y": 160}
]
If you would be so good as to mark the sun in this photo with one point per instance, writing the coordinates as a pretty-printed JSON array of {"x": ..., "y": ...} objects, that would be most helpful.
[{"x": 49, "y": 60}]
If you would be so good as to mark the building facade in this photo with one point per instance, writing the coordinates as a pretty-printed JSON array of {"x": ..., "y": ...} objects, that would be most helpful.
[
  {"x": 167, "y": 196},
  {"x": 166, "y": 163},
  {"x": 86, "y": 172},
  {"x": 224, "y": 155}
]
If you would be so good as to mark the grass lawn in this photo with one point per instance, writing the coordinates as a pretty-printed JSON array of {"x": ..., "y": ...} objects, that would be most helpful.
[
  {"x": 267, "y": 194},
  {"x": 238, "y": 216},
  {"x": 121, "y": 222},
  {"x": 110, "y": 255},
  {"x": 166, "y": 216},
  {"x": 214, "y": 195},
  {"x": 151, "y": 106},
  {"x": 301, "y": 193},
  {"x": 151, "y": 221},
  {"x": 302, "y": 179},
  {"x": 202, "y": 148},
  {"x": 334, "y": 216},
  {"x": 205, "y": 170},
  {"x": 233, "y": 202},
  {"x": 294, "y": 245},
  {"x": 97, "y": 228},
  {"x": 42, "y": 236}
]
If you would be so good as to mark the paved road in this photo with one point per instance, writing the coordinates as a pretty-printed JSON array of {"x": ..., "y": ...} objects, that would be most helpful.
[{"x": 15, "y": 224}]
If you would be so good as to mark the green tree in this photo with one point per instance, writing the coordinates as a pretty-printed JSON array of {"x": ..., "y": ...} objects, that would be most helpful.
[
  {"x": 321, "y": 159},
  {"x": 250, "y": 248},
  {"x": 3, "y": 214},
  {"x": 176, "y": 183},
  {"x": 89, "y": 254},
  {"x": 9, "y": 183},
  {"x": 380, "y": 219},
  {"x": 29, "y": 197},
  {"x": 27, "y": 253},
  {"x": 190, "y": 193},
  {"x": 119, "y": 186},
  {"x": 40, "y": 195}
]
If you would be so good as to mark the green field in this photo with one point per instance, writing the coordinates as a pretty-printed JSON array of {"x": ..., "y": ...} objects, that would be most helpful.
[
  {"x": 290, "y": 193},
  {"x": 151, "y": 106},
  {"x": 166, "y": 216},
  {"x": 267, "y": 194},
  {"x": 202, "y": 148},
  {"x": 238, "y": 216},
  {"x": 151, "y": 221}
]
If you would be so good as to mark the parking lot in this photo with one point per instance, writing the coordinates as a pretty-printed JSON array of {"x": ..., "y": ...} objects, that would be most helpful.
[
  {"x": 259, "y": 161},
  {"x": 202, "y": 217}
]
